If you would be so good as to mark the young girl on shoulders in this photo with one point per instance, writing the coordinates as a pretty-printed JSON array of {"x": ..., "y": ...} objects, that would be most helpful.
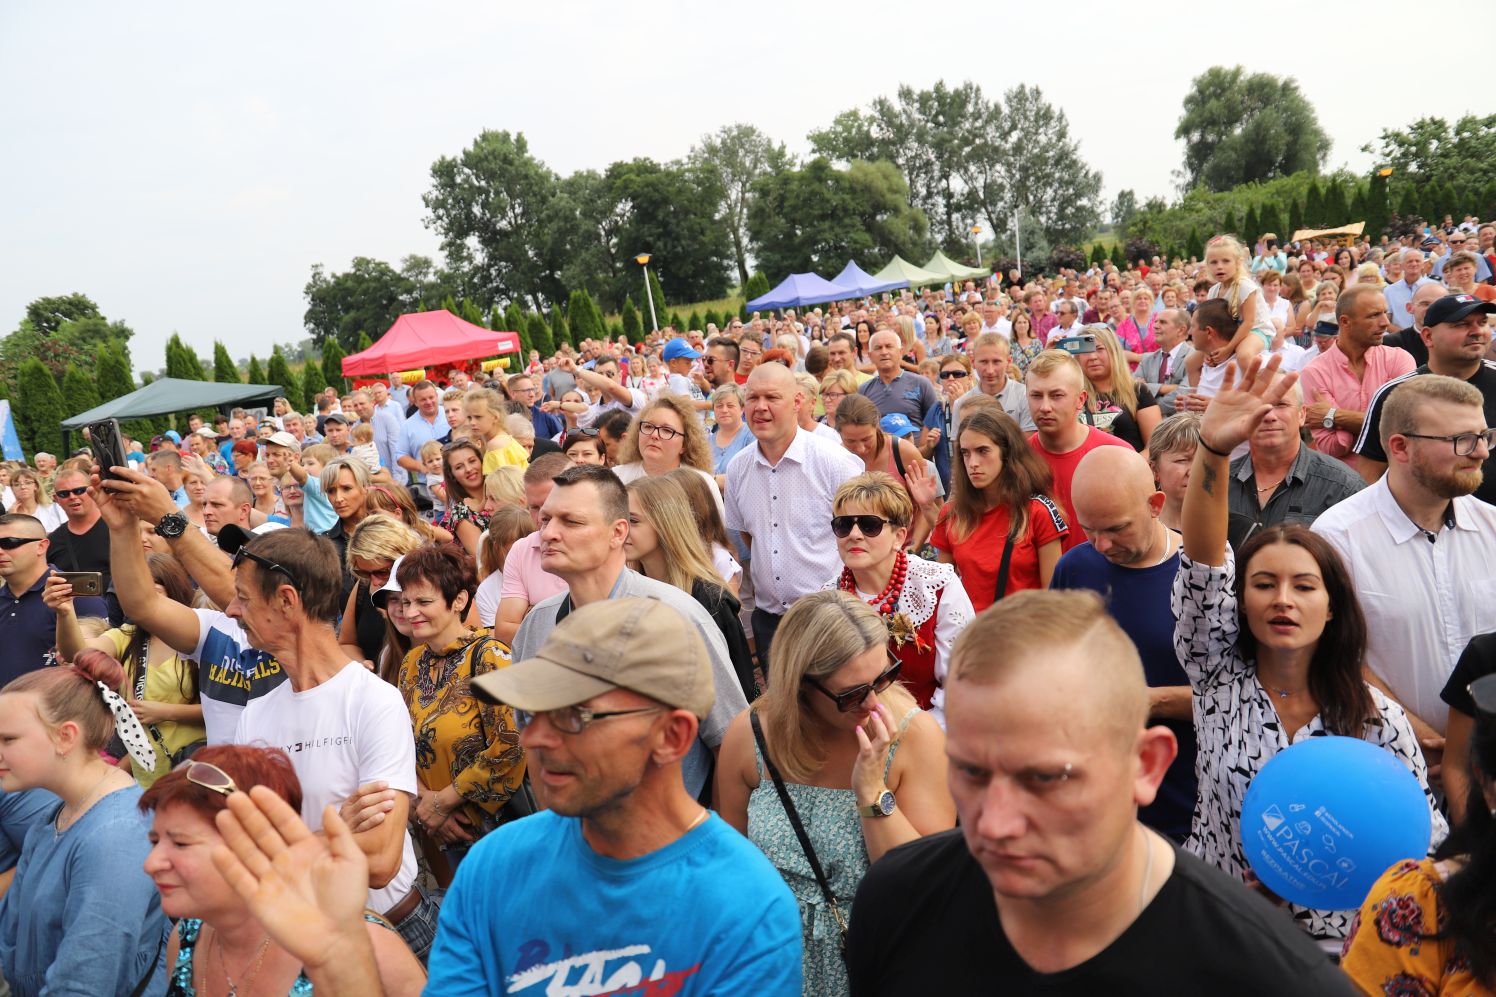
[{"x": 1226, "y": 264}]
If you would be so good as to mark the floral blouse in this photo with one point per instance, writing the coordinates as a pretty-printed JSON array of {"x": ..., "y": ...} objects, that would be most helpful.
[
  {"x": 1025, "y": 353},
  {"x": 1239, "y": 730},
  {"x": 459, "y": 741},
  {"x": 1390, "y": 949}
]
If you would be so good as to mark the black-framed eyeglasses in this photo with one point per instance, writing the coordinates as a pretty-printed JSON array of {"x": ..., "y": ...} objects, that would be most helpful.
[
  {"x": 849, "y": 699},
  {"x": 11, "y": 543},
  {"x": 242, "y": 555},
  {"x": 70, "y": 492},
  {"x": 1464, "y": 443},
  {"x": 1483, "y": 693},
  {"x": 208, "y": 776},
  {"x": 870, "y": 526},
  {"x": 575, "y": 719},
  {"x": 658, "y": 431},
  {"x": 951, "y": 375}
]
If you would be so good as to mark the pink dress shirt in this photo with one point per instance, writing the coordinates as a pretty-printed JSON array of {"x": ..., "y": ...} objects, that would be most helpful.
[{"x": 1329, "y": 377}]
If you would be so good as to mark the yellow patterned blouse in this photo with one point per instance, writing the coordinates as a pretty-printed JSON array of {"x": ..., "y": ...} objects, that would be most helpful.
[
  {"x": 1389, "y": 949},
  {"x": 459, "y": 741}
]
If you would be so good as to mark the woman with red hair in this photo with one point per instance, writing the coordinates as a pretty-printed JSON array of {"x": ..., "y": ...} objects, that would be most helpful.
[{"x": 218, "y": 947}]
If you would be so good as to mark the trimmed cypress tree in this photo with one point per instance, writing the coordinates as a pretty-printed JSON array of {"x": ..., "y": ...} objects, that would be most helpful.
[
  {"x": 255, "y": 373},
  {"x": 598, "y": 322},
  {"x": 39, "y": 408},
  {"x": 560, "y": 331},
  {"x": 312, "y": 383},
  {"x": 1271, "y": 221},
  {"x": 1337, "y": 209},
  {"x": 540, "y": 334},
  {"x": 1229, "y": 226},
  {"x": 1119, "y": 256},
  {"x": 1314, "y": 205},
  {"x": 451, "y": 305},
  {"x": 181, "y": 361},
  {"x": 1194, "y": 248},
  {"x": 279, "y": 372},
  {"x": 78, "y": 391},
  {"x": 364, "y": 342},
  {"x": 711, "y": 318},
  {"x": 694, "y": 322},
  {"x": 1251, "y": 225},
  {"x": 332, "y": 366},
  {"x": 112, "y": 380},
  {"x": 1359, "y": 208},
  {"x": 471, "y": 312},
  {"x": 633, "y": 326},
  {"x": 225, "y": 371},
  {"x": 1378, "y": 205},
  {"x": 1407, "y": 204},
  {"x": 676, "y": 322},
  {"x": 583, "y": 317},
  {"x": 1295, "y": 217}
]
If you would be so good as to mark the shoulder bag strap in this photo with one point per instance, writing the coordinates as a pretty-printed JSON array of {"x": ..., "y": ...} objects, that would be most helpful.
[
  {"x": 150, "y": 970},
  {"x": 144, "y": 663},
  {"x": 898, "y": 458},
  {"x": 794, "y": 816},
  {"x": 521, "y": 802},
  {"x": 1002, "y": 569}
]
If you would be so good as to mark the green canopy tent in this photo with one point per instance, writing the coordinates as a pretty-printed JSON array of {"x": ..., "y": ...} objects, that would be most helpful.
[
  {"x": 942, "y": 264},
  {"x": 166, "y": 395},
  {"x": 900, "y": 270}
]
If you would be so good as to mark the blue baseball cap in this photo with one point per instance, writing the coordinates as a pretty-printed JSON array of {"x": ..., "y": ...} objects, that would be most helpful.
[
  {"x": 172, "y": 435},
  {"x": 898, "y": 424},
  {"x": 679, "y": 349}
]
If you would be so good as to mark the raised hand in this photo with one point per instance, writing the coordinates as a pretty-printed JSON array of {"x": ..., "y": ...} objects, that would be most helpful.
[{"x": 1237, "y": 409}]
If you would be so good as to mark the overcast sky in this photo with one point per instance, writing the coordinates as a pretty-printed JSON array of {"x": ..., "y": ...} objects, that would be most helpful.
[{"x": 184, "y": 164}]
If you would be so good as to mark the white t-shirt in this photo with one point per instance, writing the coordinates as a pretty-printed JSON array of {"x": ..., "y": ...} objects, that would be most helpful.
[
  {"x": 1004, "y": 327},
  {"x": 488, "y": 597},
  {"x": 597, "y": 410},
  {"x": 350, "y": 730},
  {"x": 1279, "y": 310},
  {"x": 635, "y": 470}
]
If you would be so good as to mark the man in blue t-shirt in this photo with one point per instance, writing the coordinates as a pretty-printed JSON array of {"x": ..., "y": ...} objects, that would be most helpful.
[
  {"x": 624, "y": 885},
  {"x": 1131, "y": 561}
]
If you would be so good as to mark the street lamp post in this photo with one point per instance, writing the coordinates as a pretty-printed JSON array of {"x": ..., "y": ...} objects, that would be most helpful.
[
  {"x": 976, "y": 238},
  {"x": 643, "y": 260},
  {"x": 1018, "y": 239}
]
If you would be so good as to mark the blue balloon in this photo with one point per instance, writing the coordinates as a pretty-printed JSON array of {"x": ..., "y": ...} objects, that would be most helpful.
[{"x": 1323, "y": 819}]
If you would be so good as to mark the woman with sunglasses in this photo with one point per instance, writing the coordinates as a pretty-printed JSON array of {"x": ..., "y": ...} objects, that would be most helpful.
[
  {"x": 1435, "y": 920},
  {"x": 159, "y": 684},
  {"x": 376, "y": 544},
  {"x": 667, "y": 435},
  {"x": 468, "y": 759},
  {"x": 860, "y": 426},
  {"x": 937, "y": 442},
  {"x": 218, "y": 947},
  {"x": 467, "y": 502},
  {"x": 921, "y": 602},
  {"x": 862, "y": 765},
  {"x": 80, "y": 916}
]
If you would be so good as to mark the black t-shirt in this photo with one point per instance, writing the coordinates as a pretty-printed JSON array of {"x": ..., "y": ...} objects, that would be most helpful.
[
  {"x": 1477, "y": 661},
  {"x": 1411, "y": 340},
  {"x": 1113, "y": 418},
  {"x": 1369, "y": 443},
  {"x": 925, "y": 922},
  {"x": 74, "y": 552}
]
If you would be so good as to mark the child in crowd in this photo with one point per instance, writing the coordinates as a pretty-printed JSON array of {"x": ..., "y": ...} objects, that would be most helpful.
[
  {"x": 433, "y": 488},
  {"x": 363, "y": 446},
  {"x": 1226, "y": 263}
]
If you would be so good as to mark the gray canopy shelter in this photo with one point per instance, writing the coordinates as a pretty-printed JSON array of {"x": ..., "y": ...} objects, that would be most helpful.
[{"x": 166, "y": 395}]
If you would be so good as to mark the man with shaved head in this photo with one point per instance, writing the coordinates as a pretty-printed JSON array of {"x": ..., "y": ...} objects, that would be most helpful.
[
  {"x": 778, "y": 496},
  {"x": 28, "y": 626},
  {"x": 1051, "y": 884},
  {"x": 1130, "y": 558}
]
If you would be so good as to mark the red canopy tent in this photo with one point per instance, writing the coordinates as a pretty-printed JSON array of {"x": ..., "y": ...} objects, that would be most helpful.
[{"x": 426, "y": 339}]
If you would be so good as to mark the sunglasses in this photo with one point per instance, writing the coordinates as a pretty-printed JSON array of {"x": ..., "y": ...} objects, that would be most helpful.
[
  {"x": 870, "y": 526},
  {"x": 1483, "y": 692},
  {"x": 951, "y": 375},
  {"x": 242, "y": 555},
  {"x": 848, "y": 700},
  {"x": 208, "y": 776},
  {"x": 11, "y": 543},
  {"x": 70, "y": 492}
]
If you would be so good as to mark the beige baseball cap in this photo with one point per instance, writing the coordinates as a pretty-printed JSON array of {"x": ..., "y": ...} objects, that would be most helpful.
[{"x": 637, "y": 644}]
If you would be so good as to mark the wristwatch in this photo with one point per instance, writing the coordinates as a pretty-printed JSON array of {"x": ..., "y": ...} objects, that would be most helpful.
[
  {"x": 171, "y": 525},
  {"x": 1329, "y": 422},
  {"x": 881, "y": 807}
]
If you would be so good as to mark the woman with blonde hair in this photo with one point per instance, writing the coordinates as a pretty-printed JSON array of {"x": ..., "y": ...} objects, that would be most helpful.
[
  {"x": 508, "y": 524},
  {"x": 1136, "y": 331},
  {"x": 396, "y": 501},
  {"x": 505, "y": 486},
  {"x": 1369, "y": 273},
  {"x": 665, "y": 543},
  {"x": 667, "y": 434},
  {"x": 31, "y": 499},
  {"x": 913, "y": 349},
  {"x": 839, "y": 740},
  {"x": 811, "y": 388},
  {"x": 836, "y": 385},
  {"x": 1116, "y": 403},
  {"x": 378, "y": 542},
  {"x": 709, "y": 524}
]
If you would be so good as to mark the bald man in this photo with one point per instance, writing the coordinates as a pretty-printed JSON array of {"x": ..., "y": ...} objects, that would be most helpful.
[
  {"x": 1130, "y": 557},
  {"x": 28, "y": 626},
  {"x": 1050, "y": 871}
]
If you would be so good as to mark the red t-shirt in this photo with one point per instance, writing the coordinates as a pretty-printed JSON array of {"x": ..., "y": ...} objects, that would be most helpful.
[
  {"x": 1063, "y": 466},
  {"x": 979, "y": 556}
]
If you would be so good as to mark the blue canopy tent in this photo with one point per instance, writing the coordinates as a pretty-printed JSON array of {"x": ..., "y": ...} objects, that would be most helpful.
[
  {"x": 798, "y": 290},
  {"x": 857, "y": 279}
]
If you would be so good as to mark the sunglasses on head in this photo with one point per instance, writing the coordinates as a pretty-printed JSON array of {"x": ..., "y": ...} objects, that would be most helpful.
[
  {"x": 242, "y": 555},
  {"x": 849, "y": 699},
  {"x": 208, "y": 776},
  {"x": 70, "y": 492},
  {"x": 1483, "y": 693},
  {"x": 870, "y": 526},
  {"x": 11, "y": 543}
]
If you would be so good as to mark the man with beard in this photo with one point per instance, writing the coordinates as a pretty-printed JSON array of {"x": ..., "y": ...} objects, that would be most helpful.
[{"x": 1420, "y": 549}]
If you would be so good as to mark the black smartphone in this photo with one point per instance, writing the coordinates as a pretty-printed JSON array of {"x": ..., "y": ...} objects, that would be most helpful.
[
  {"x": 1078, "y": 344},
  {"x": 108, "y": 447},
  {"x": 84, "y": 582}
]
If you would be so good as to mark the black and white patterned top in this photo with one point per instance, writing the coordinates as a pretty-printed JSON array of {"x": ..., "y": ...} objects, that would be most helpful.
[{"x": 1239, "y": 730}]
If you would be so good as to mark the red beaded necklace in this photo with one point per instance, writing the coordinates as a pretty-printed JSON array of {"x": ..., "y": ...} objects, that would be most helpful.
[{"x": 888, "y": 600}]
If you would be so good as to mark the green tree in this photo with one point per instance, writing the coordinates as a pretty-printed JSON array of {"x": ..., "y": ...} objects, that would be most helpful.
[
  {"x": 113, "y": 380},
  {"x": 48, "y": 315},
  {"x": 514, "y": 321},
  {"x": 332, "y": 366},
  {"x": 583, "y": 317},
  {"x": 279, "y": 372},
  {"x": 364, "y": 342},
  {"x": 78, "y": 391},
  {"x": 560, "y": 330},
  {"x": 1314, "y": 205},
  {"x": 1360, "y": 205},
  {"x": 633, "y": 327},
  {"x": 1097, "y": 254},
  {"x": 1378, "y": 205},
  {"x": 693, "y": 321},
  {"x": 1119, "y": 257},
  {"x": 1295, "y": 217},
  {"x": 255, "y": 374},
  {"x": 1229, "y": 226},
  {"x": 1194, "y": 248},
  {"x": 368, "y": 297},
  {"x": 181, "y": 361},
  {"x": 1337, "y": 210},
  {"x": 1271, "y": 221},
  {"x": 540, "y": 334},
  {"x": 1430, "y": 150},
  {"x": 39, "y": 409},
  {"x": 1123, "y": 208},
  {"x": 1251, "y": 225},
  {"x": 225, "y": 371},
  {"x": 470, "y": 312},
  {"x": 1239, "y": 128},
  {"x": 737, "y": 155},
  {"x": 711, "y": 318},
  {"x": 313, "y": 381}
]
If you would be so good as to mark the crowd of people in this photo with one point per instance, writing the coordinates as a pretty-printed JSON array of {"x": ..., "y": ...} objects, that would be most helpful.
[{"x": 922, "y": 643}]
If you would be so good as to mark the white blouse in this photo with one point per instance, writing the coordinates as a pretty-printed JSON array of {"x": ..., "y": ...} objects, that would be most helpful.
[{"x": 1239, "y": 731}]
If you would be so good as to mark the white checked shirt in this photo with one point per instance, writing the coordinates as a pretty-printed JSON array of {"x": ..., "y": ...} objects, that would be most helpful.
[
  {"x": 786, "y": 509},
  {"x": 1423, "y": 601}
]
